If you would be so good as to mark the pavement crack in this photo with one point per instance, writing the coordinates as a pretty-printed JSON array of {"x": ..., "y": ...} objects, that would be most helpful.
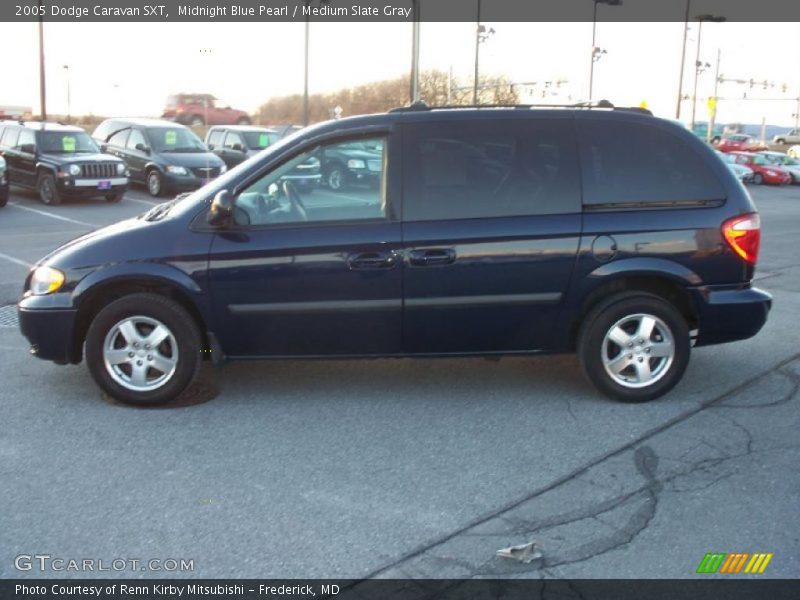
[{"x": 646, "y": 463}]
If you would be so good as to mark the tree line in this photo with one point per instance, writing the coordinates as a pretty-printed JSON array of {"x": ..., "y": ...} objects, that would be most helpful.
[{"x": 435, "y": 86}]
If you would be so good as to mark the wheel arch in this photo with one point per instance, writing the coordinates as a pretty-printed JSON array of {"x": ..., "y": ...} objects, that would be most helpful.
[
  {"x": 670, "y": 285},
  {"x": 94, "y": 296}
]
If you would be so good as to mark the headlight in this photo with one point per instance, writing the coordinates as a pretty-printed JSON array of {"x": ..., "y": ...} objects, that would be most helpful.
[
  {"x": 46, "y": 280},
  {"x": 176, "y": 170},
  {"x": 120, "y": 168},
  {"x": 74, "y": 170},
  {"x": 355, "y": 163},
  {"x": 222, "y": 169}
]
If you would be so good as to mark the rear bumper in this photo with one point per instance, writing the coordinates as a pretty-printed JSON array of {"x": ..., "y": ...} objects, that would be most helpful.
[
  {"x": 729, "y": 314},
  {"x": 50, "y": 333}
]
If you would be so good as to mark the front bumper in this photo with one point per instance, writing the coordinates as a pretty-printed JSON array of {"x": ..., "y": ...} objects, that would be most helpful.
[
  {"x": 50, "y": 332},
  {"x": 183, "y": 183},
  {"x": 92, "y": 186},
  {"x": 728, "y": 314}
]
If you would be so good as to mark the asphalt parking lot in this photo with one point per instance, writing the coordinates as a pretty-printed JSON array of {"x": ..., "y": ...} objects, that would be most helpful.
[{"x": 408, "y": 468}]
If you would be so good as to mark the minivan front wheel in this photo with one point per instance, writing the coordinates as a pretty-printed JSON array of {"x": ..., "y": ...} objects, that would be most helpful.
[
  {"x": 48, "y": 192},
  {"x": 143, "y": 349},
  {"x": 634, "y": 347},
  {"x": 154, "y": 183}
]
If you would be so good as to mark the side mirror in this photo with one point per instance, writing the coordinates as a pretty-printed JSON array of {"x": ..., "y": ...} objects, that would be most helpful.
[
  {"x": 28, "y": 148},
  {"x": 237, "y": 147},
  {"x": 210, "y": 146},
  {"x": 103, "y": 148},
  {"x": 221, "y": 209},
  {"x": 142, "y": 148}
]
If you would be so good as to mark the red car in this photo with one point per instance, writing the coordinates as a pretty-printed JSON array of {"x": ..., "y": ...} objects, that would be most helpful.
[
  {"x": 197, "y": 110},
  {"x": 763, "y": 170},
  {"x": 740, "y": 143}
]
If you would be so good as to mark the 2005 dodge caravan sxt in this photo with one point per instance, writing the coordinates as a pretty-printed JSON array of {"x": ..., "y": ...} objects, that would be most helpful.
[{"x": 491, "y": 232}]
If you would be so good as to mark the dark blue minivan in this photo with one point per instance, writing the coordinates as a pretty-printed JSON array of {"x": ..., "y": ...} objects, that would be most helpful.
[{"x": 607, "y": 232}]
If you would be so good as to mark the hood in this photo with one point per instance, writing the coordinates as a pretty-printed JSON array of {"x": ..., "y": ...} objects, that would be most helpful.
[
  {"x": 191, "y": 159},
  {"x": 64, "y": 159},
  {"x": 83, "y": 251}
]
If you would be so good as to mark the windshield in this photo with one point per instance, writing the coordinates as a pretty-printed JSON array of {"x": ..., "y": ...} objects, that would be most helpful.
[
  {"x": 760, "y": 160},
  {"x": 174, "y": 139},
  {"x": 67, "y": 142},
  {"x": 258, "y": 140}
]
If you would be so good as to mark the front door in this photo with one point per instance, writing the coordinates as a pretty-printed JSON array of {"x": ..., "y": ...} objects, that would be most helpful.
[
  {"x": 492, "y": 222},
  {"x": 317, "y": 274}
]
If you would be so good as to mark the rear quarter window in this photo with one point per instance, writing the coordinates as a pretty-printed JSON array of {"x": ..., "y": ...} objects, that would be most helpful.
[{"x": 637, "y": 163}]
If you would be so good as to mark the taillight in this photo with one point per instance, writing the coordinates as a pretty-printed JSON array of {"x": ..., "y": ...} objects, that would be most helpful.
[{"x": 743, "y": 234}]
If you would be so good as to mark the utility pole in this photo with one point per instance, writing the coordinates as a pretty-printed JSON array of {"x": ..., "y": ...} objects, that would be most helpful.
[
  {"x": 477, "y": 54},
  {"x": 305, "y": 69},
  {"x": 42, "y": 86},
  {"x": 696, "y": 72},
  {"x": 415, "y": 53},
  {"x": 683, "y": 59},
  {"x": 712, "y": 117}
]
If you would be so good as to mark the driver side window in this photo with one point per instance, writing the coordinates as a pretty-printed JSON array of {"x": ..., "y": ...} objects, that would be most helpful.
[{"x": 341, "y": 181}]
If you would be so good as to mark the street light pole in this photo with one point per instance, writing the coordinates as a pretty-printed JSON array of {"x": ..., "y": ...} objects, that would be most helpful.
[
  {"x": 595, "y": 54},
  {"x": 712, "y": 117},
  {"x": 69, "y": 102},
  {"x": 477, "y": 55},
  {"x": 594, "y": 45},
  {"x": 414, "y": 92},
  {"x": 696, "y": 72},
  {"x": 305, "y": 68},
  {"x": 697, "y": 64},
  {"x": 683, "y": 59},
  {"x": 42, "y": 86}
]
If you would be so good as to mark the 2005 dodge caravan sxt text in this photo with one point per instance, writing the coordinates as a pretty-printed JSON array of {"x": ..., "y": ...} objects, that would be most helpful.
[{"x": 491, "y": 231}]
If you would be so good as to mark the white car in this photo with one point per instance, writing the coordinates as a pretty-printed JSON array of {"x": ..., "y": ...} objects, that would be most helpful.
[
  {"x": 794, "y": 152},
  {"x": 785, "y": 162},
  {"x": 790, "y": 137}
]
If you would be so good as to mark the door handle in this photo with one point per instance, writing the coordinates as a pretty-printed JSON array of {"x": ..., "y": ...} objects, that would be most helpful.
[
  {"x": 372, "y": 260},
  {"x": 432, "y": 256}
]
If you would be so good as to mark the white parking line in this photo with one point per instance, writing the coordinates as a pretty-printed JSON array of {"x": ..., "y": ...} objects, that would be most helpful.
[
  {"x": 148, "y": 202},
  {"x": 16, "y": 261},
  {"x": 51, "y": 215}
]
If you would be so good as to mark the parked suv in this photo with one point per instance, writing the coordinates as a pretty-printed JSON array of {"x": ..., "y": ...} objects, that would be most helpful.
[
  {"x": 352, "y": 163},
  {"x": 236, "y": 143},
  {"x": 164, "y": 156},
  {"x": 58, "y": 161},
  {"x": 3, "y": 182},
  {"x": 605, "y": 232},
  {"x": 197, "y": 110}
]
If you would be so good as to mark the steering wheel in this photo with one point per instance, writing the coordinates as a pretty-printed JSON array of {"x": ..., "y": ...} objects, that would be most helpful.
[{"x": 296, "y": 206}]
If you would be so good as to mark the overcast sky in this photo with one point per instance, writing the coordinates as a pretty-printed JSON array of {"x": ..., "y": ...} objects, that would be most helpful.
[{"x": 118, "y": 68}]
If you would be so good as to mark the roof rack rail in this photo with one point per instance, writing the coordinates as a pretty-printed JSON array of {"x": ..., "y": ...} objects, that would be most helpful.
[{"x": 420, "y": 105}]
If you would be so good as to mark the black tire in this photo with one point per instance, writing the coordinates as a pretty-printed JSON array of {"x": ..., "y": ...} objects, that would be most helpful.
[
  {"x": 48, "y": 191},
  {"x": 3, "y": 199},
  {"x": 602, "y": 319},
  {"x": 167, "y": 312},
  {"x": 243, "y": 121},
  {"x": 780, "y": 141},
  {"x": 758, "y": 179},
  {"x": 115, "y": 197},
  {"x": 154, "y": 183},
  {"x": 197, "y": 121},
  {"x": 335, "y": 177}
]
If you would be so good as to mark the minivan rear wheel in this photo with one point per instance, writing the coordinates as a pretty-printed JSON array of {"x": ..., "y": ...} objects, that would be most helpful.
[
  {"x": 634, "y": 347},
  {"x": 143, "y": 349}
]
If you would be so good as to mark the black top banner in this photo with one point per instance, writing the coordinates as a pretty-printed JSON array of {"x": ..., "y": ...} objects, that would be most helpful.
[{"x": 399, "y": 10}]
